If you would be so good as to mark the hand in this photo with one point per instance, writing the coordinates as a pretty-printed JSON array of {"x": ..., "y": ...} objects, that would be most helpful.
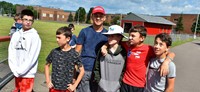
[
  {"x": 71, "y": 87},
  {"x": 49, "y": 84},
  {"x": 104, "y": 50},
  {"x": 164, "y": 69}
]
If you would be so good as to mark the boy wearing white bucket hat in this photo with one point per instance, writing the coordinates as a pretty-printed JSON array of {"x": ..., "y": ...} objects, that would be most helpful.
[{"x": 108, "y": 68}]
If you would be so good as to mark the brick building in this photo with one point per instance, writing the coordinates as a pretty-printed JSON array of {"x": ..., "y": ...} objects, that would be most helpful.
[
  {"x": 50, "y": 14},
  {"x": 187, "y": 20}
]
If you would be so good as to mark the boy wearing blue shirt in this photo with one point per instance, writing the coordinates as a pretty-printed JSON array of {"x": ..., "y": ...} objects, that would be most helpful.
[{"x": 89, "y": 41}]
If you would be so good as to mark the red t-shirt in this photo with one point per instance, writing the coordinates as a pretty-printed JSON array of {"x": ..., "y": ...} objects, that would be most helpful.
[{"x": 136, "y": 64}]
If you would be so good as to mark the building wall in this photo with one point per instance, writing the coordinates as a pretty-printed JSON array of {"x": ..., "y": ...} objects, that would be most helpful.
[
  {"x": 49, "y": 14},
  {"x": 153, "y": 29},
  {"x": 126, "y": 24},
  {"x": 188, "y": 20},
  {"x": 110, "y": 17}
]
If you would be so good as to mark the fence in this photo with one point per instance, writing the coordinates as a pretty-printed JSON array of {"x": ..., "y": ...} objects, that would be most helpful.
[
  {"x": 5, "y": 74},
  {"x": 175, "y": 37}
]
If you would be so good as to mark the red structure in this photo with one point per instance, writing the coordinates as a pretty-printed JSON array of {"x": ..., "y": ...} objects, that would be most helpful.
[
  {"x": 4, "y": 38},
  {"x": 153, "y": 24}
]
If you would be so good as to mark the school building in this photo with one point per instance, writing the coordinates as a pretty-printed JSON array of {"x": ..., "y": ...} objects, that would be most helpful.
[{"x": 49, "y": 14}]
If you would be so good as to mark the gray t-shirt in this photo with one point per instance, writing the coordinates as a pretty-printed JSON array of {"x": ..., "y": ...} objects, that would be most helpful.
[{"x": 155, "y": 82}]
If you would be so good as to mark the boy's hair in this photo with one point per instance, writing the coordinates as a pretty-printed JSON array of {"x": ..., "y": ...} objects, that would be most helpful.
[
  {"x": 17, "y": 16},
  {"x": 164, "y": 37},
  {"x": 71, "y": 25},
  {"x": 64, "y": 30},
  {"x": 27, "y": 12},
  {"x": 138, "y": 28}
]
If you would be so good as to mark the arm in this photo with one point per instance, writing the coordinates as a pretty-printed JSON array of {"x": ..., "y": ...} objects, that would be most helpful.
[
  {"x": 72, "y": 87},
  {"x": 48, "y": 81},
  {"x": 170, "y": 85},
  {"x": 164, "y": 69},
  {"x": 78, "y": 48},
  {"x": 12, "y": 56},
  {"x": 104, "y": 49}
]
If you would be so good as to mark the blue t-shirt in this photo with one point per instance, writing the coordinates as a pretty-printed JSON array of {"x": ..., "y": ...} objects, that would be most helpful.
[
  {"x": 73, "y": 40},
  {"x": 91, "y": 42}
]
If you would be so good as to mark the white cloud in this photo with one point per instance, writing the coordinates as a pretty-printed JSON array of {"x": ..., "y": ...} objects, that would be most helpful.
[{"x": 152, "y": 7}]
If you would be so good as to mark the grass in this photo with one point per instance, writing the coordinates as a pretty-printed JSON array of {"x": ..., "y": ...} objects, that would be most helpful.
[
  {"x": 47, "y": 31},
  {"x": 176, "y": 43}
]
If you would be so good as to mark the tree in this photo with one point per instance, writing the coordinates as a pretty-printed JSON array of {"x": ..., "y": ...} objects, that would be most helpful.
[
  {"x": 179, "y": 25},
  {"x": 194, "y": 25},
  {"x": 80, "y": 15},
  {"x": 129, "y": 13},
  {"x": 115, "y": 20},
  {"x": 70, "y": 17},
  {"x": 7, "y": 8},
  {"x": 34, "y": 11},
  {"x": 88, "y": 15}
]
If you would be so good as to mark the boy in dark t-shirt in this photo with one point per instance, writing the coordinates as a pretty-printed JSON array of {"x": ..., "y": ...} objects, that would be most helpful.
[{"x": 63, "y": 59}]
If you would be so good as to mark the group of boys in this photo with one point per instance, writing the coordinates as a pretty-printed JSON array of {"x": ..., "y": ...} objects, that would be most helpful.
[{"x": 117, "y": 67}]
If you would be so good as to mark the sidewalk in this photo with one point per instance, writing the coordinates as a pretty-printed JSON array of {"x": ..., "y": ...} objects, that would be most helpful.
[{"x": 187, "y": 62}]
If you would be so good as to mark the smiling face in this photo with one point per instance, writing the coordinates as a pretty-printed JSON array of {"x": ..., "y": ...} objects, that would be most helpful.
[
  {"x": 160, "y": 48},
  {"x": 98, "y": 19}
]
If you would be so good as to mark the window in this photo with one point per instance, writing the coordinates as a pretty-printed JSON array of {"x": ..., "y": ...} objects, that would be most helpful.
[
  {"x": 63, "y": 16},
  {"x": 175, "y": 20},
  {"x": 58, "y": 16},
  {"x": 51, "y": 15},
  {"x": 44, "y": 15}
]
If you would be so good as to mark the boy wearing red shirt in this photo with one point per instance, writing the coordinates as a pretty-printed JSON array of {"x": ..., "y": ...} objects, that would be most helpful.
[{"x": 138, "y": 55}]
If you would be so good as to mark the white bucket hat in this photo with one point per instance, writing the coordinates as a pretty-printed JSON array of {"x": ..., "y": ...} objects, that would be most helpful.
[{"x": 115, "y": 29}]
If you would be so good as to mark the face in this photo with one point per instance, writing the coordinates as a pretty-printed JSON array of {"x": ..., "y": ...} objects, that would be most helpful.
[
  {"x": 135, "y": 38},
  {"x": 98, "y": 19},
  {"x": 160, "y": 48},
  {"x": 19, "y": 21},
  {"x": 62, "y": 40},
  {"x": 114, "y": 39},
  {"x": 27, "y": 22},
  {"x": 72, "y": 29}
]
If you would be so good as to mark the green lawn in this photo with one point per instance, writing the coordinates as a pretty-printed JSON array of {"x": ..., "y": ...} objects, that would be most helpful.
[{"x": 47, "y": 31}]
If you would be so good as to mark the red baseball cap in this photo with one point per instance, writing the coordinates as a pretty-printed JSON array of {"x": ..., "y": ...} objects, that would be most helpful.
[{"x": 98, "y": 9}]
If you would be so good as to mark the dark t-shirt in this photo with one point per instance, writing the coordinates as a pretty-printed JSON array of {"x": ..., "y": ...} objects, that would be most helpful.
[
  {"x": 91, "y": 42},
  {"x": 63, "y": 65}
]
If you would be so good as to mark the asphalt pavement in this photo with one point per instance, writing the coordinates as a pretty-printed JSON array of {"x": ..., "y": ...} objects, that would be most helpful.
[{"x": 187, "y": 62}]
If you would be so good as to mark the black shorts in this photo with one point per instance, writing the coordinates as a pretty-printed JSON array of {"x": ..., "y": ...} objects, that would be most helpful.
[{"x": 129, "y": 88}]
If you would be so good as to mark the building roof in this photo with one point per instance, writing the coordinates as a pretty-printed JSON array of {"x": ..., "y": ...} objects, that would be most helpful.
[{"x": 148, "y": 18}]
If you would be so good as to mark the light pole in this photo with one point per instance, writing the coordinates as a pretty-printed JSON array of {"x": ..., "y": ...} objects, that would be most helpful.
[
  {"x": 78, "y": 18},
  {"x": 196, "y": 26},
  {"x": 0, "y": 11},
  {"x": 37, "y": 11}
]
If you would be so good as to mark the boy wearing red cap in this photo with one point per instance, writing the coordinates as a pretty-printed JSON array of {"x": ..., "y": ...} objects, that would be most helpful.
[{"x": 89, "y": 41}]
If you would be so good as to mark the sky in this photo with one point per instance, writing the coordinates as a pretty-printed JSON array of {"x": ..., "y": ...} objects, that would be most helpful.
[{"x": 150, "y": 7}]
